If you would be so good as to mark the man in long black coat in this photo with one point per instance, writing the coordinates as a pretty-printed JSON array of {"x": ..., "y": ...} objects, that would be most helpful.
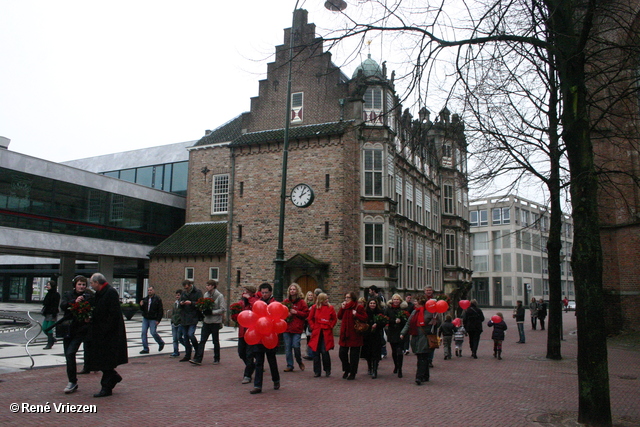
[{"x": 106, "y": 344}]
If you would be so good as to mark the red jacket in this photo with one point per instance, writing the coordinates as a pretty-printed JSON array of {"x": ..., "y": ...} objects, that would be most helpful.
[
  {"x": 321, "y": 321},
  {"x": 296, "y": 325},
  {"x": 348, "y": 335}
]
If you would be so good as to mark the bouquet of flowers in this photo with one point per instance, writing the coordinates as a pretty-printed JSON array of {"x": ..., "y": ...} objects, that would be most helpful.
[
  {"x": 381, "y": 319},
  {"x": 403, "y": 315},
  {"x": 235, "y": 308},
  {"x": 205, "y": 305},
  {"x": 444, "y": 297},
  {"x": 81, "y": 310},
  {"x": 289, "y": 307}
]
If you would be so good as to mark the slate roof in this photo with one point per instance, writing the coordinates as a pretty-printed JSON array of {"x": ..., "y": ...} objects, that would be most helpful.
[
  {"x": 295, "y": 132},
  {"x": 224, "y": 133},
  {"x": 201, "y": 238}
]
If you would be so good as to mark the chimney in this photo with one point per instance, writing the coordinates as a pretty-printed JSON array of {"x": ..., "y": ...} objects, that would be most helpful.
[{"x": 4, "y": 142}]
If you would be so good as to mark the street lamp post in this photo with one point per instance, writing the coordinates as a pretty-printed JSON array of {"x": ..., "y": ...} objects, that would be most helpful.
[{"x": 278, "y": 282}]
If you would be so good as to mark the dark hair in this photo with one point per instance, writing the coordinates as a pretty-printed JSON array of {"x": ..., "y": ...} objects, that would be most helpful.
[
  {"x": 178, "y": 291},
  {"x": 267, "y": 286},
  {"x": 352, "y": 295},
  {"x": 212, "y": 282},
  {"x": 79, "y": 278},
  {"x": 53, "y": 284},
  {"x": 374, "y": 288},
  {"x": 187, "y": 282},
  {"x": 422, "y": 300}
]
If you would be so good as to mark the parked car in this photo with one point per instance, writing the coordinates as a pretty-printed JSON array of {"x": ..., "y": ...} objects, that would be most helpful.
[{"x": 571, "y": 306}]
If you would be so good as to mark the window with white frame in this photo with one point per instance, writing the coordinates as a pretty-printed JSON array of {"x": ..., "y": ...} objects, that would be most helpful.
[
  {"x": 409, "y": 193},
  {"x": 297, "y": 104},
  {"x": 448, "y": 199},
  {"x": 373, "y": 172},
  {"x": 410, "y": 262},
  {"x": 480, "y": 241},
  {"x": 450, "y": 248},
  {"x": 373, "y": 242},
  {"x": 419, "y": 204},
  {"x": 473, "y": 218},
  {"x": 427, "y": 209},
  {"x": 372, "y": 110},
  {"x": 399, "y": 194},
  {"x": 437, "y": 262},
  {"x": 480, "y": 263},
  {"x": 429, "y": 263},
  {"x": 392, "y": 244},
  {"x": 484, "y": 220},
  {"x": 496, "y": 218},
  {"x": 220, "y": 194},
  {"x": 189, "y": 273},
  {"x": 506, "y": 215},
  {"x": 213, "y": 273}
]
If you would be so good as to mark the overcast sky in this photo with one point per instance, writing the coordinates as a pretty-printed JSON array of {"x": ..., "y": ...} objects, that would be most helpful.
[{"x": 80, "y": 78}]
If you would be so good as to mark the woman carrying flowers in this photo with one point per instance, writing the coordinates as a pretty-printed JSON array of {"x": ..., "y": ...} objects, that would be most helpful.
[
  {"x": 76, "y": 305},
  {"x": 298, "y": 312},
  {"x": 350, "y": 340},
  {"x": 373, "y": 337},
  {"x": 398, "y": 316}
]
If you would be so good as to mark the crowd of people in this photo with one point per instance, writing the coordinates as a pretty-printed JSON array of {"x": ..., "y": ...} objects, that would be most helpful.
[{"x": 367, "y": 325}]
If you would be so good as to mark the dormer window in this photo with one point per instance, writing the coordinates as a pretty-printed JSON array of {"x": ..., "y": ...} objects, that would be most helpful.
[
  {"x": 297, "y": 101},
  {"x": 373, "y": 106}
]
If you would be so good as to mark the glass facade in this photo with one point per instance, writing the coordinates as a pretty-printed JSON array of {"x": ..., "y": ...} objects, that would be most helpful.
[
  {"x": 170, "y": 177},
  {"x": 38, "y": 203}
]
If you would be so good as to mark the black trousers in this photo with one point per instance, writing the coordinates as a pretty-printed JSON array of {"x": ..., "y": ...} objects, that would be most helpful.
[
  {"x": 422, "y": 373},
  {"x": 349, "y": 356},
  {"x": 71, "y": 346},
  {"x": 213, "y": 330}
]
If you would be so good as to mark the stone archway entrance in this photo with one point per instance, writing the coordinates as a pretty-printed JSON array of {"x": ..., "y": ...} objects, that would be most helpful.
[{"x": 307, "y": 271}]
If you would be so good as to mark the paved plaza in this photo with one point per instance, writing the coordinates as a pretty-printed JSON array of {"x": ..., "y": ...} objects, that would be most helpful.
[{"x": 523, "y": 389}]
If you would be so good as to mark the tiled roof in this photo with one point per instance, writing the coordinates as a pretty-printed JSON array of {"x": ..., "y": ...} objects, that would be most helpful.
[
  {"x": 224, "y": 133},
  {"x": 194, "y": 239},
  {"x": 295, "y": 132}
]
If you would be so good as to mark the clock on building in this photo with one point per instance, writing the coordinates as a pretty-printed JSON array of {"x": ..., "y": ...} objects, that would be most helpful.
[{"x": 302, "y": 195}]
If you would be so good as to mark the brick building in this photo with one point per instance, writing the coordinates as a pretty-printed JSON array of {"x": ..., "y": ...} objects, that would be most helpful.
[
  {"x": 613, "y": 66},
  {"x": 390, "y": 207}
]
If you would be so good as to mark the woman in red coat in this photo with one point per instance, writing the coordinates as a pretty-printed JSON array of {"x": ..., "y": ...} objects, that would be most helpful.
[
  {"x": 297, "y": 315},
  {"x": 350, "y": 341},
  {"x": 322, "y": 318}
]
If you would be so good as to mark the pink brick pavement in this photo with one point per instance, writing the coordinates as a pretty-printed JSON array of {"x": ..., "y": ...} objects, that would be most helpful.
[{"x": 524, "y": 389}]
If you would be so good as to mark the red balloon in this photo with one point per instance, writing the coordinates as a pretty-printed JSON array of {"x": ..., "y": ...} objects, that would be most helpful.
[
  {"x": 496, "y": 319},
  {"x": 442, "y": 306},
  {"x": 431, "y": 306},
  {"x": 264, "y": 326},
  {"x": 251, "y": 337},
  {"x": 247, "y": 318},
  {"x": 270, "y": 341},
  {"x": 260, "y": 308},
  {"x": 457, "y": 322},
  {"x": 280, "y": 326},
  {"x": 278, "y": 310},
  {"x": 464, "y": 304}
]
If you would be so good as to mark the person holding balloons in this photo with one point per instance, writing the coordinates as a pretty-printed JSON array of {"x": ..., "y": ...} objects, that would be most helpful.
[
  {"x": 248, "y": 298},
  {"x": 260, "y": 350},
  {"x": 499, "y": 326},
  {"x": 322, "y": 318},
  {"x": 420, "y": 323}
]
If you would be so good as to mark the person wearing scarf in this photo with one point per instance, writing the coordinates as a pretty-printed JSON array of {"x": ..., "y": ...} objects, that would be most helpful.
[
  {"x": 420, "y": 323},
  {"x": 350, "y": 341},
  {"x": 394, "y": 329}
]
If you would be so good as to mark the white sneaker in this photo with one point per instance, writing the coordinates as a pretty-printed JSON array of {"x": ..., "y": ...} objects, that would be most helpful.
[
  {"x": 246, "y": 380},
  {"x": 70, "y": 388}
]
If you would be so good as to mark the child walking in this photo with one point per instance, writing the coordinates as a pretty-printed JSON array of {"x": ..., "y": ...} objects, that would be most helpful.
[
  {"x": 498, "y": 334},
  {"x": 446, "y": 331},
  {"x": 458, "y": 337}
]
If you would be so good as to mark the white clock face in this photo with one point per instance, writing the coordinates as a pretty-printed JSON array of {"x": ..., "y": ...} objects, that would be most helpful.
[{"x": 302, "y": 195}]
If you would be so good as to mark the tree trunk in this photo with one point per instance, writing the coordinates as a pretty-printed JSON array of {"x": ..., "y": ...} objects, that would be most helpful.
[{"x": 593, "y": 374}]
